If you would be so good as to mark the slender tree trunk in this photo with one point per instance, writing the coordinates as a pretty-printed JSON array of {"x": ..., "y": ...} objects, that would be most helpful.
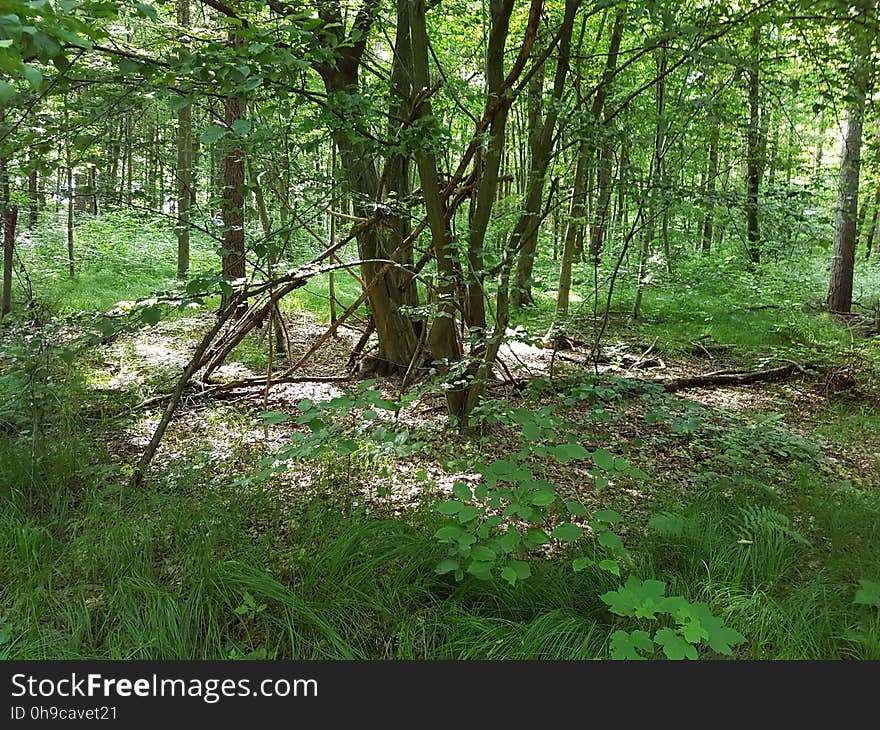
[
  {"x": 8, "y": 216},
  {"x": 820, "y": 147},
  {"x": 869, "y": 239},
  {"x": 577, "y": 211},
  {"x": 754, "y": 163},
  {"x": 33, "y": 199},
  {"x": 184, "y": 161},
  {"x": 655, "y": 178},
  {"x": 233, "y": 202},
  {"x": 711, "y": 175},
  {"x": 841, "y": 281},
  {"x": 71, "y": 194}
]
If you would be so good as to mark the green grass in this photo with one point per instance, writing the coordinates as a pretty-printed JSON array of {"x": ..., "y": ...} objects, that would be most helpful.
[{"x": 95, "y": 569}]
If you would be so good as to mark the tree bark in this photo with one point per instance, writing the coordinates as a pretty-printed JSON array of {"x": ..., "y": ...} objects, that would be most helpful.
[
  {"x": 524, "y": 238},
  {"x": 184, "y": 161},
  {"x": 841, "y": 281},
  {"x": 754, "y": 162},
  {"x": 8, "y": 217},
  {"x": 711, "y": 175},
  {"x": 33, "y": 199}
]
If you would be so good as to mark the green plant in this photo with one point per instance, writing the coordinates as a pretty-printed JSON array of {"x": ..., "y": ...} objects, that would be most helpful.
[{"x": 689, "y": 625}]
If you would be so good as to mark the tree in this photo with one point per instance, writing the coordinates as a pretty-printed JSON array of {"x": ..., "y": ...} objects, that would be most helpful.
[{"x": 840, "y": 286}]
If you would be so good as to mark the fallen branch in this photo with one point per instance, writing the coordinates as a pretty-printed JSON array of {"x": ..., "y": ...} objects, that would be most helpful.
[{"x": 722, "y": 378}]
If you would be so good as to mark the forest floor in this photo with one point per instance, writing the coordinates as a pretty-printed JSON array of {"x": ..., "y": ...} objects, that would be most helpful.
[{"x": 763, "y": 500}]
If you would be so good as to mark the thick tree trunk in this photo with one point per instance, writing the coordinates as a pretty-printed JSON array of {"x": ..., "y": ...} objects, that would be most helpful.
[
  {"x": 397, "y": 335},
  {"x": 841, "y": 281}
]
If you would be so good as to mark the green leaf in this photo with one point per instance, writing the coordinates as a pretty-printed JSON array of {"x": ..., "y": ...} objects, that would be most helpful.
[
  {"x": 543, "y": 498},
  {"x": 483, "y": 554},
  {"x": 536, "y": 537},
  {"x": 152, "y": 314},
  {"x": 449, "y": 508},
  {"x": 636, "y": 598},
  {"x": 147, "y": 11},
  {"x": 611, "y": 541},
  {"x": 213, "y": 133},
  {"x": 270, "y": 418},
  {"x": 509, "y": 574},
  {"x": 521, "y": 568},
  {"x": 627, "y": 646},
  {"x": 509, "y": 540},
  {"x": 461, "y": 490},
  {"x": 576, "y": 509},
  {"x": 467, "y": 513},
  {"x": 567, "y": 531},
  {"x": 446, "y": 566},
  {"x": 241, "y": 127},
  {"x": 674, "y": 646},
  {"x": 479, "y": 569},
  {"x": 564, "y": 453},
  {"x": 610, "y": 566},
  {"x": 608, "y": 515},
  {"x": 603, "y": 459},
  {"x": 579, "y": 564},
  {"x": 868, "y": 593},
  {"x": 448, "y": 533},
  {"x": 7, "y": 91},
  {"x": 33, "y": 75}
]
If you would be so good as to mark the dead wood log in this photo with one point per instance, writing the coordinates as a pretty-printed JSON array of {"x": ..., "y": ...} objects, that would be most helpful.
[{"x": 728, "y": 378}]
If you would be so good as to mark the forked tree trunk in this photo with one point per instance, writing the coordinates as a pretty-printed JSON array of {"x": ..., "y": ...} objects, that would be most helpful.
[{"x": 524, "y": 238}]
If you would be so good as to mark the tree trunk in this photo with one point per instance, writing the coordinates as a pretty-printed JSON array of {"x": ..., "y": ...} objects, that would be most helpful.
[
  {"x": 711, "y": 175},
  {"x": 8, "y": 217},
  {"x": 71, "y": 194},
  {"x": 397, "y": 335},
  {"x": 754, "y": 163},
  {"x": 655, "y": 178},
  {"x": 232, "y": 206},
  {"x": 841, "y": 281},
  {"x": 33, "y": 199},
  {"x": 184, "y": 161},
  {"x": 525, "y": 233}
]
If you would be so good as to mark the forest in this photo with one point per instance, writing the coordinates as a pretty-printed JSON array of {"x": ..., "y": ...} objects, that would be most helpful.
[{"x": 440, "y": 329}]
